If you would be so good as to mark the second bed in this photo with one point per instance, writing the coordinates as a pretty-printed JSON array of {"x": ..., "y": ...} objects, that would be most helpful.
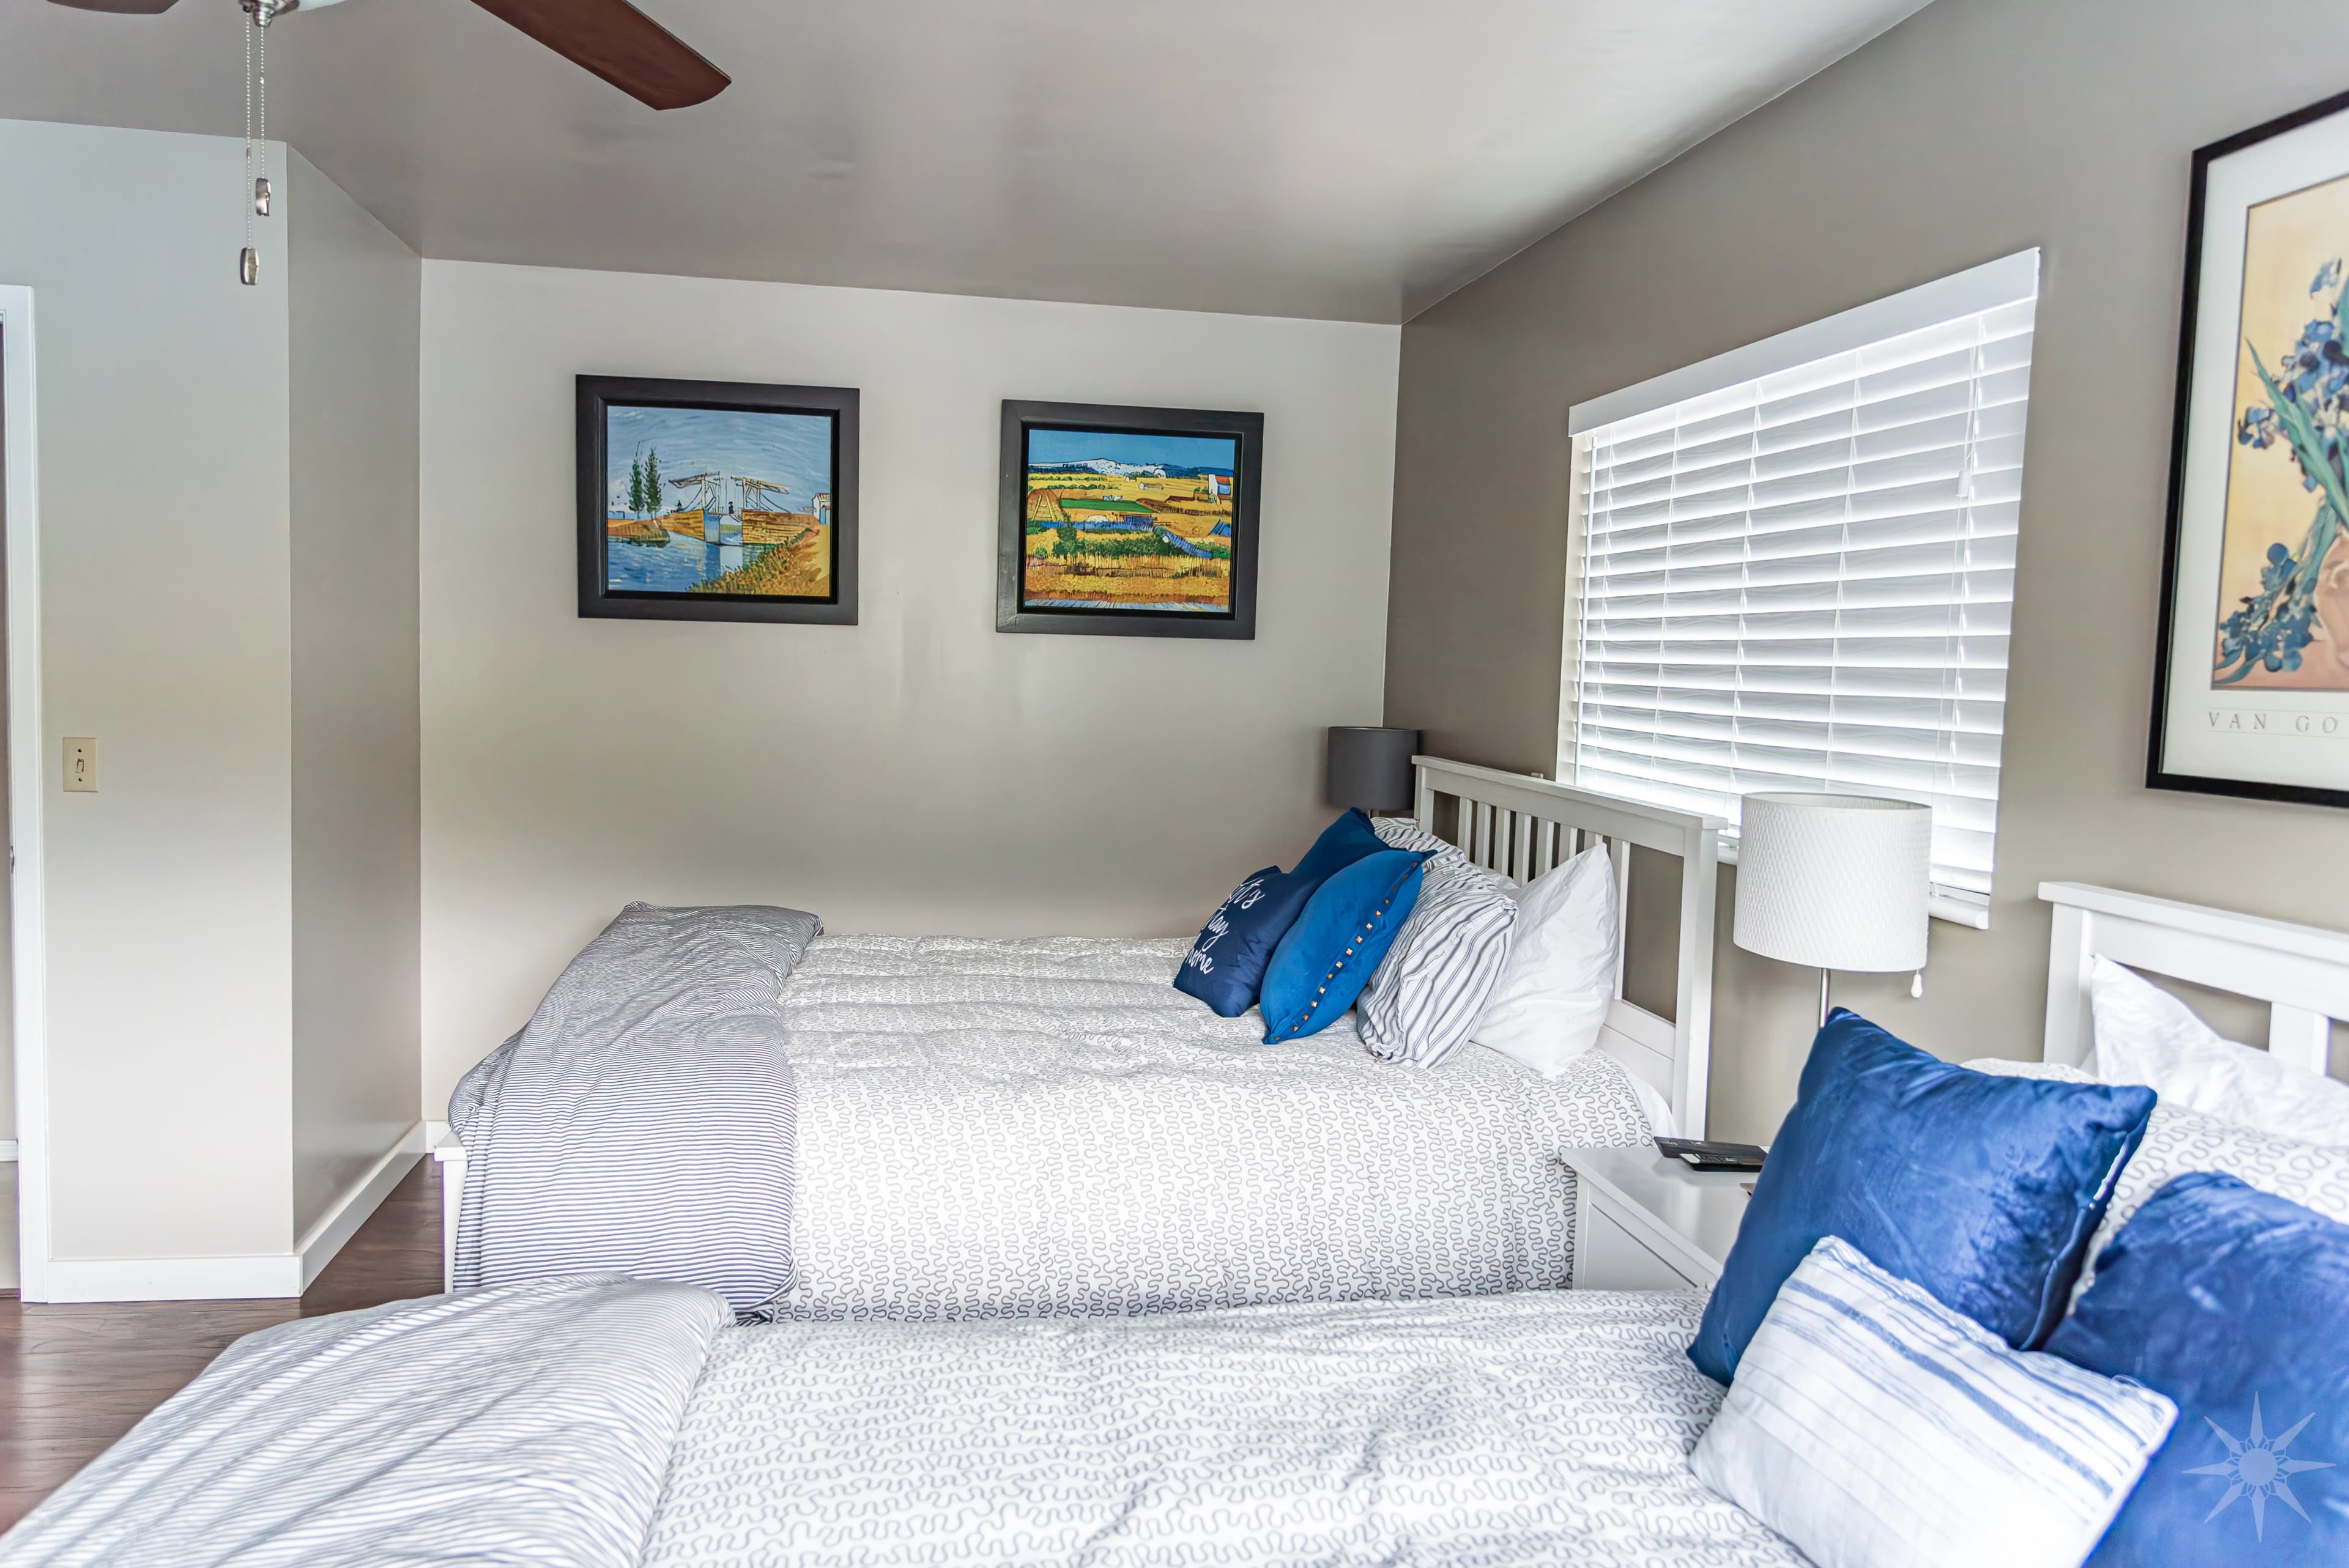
[
  {"x": 1016, "y": 1128},
  {"x": 1040, "y": 1127}
]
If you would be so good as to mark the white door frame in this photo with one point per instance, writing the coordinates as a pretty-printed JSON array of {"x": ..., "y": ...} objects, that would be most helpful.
[{"x": 26, "y": 889}]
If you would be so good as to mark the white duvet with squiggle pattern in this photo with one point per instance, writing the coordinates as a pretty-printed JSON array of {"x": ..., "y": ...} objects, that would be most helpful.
[
  {"x": 993, "y": 1128},
  {"x": 1550, "y": 1426},
  {"x": 610, "y": 1423}
]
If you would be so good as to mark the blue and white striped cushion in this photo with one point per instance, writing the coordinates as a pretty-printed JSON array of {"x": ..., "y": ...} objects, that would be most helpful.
[
  {"x": 1874, "y": 1428},
  {"x": 1426, "y": 994}
]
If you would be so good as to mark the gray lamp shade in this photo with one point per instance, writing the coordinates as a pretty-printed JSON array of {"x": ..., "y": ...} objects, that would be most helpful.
[{"x": 1371, "y": 768}]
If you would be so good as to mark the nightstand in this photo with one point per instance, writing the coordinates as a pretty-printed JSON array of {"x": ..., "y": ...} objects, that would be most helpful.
[
  {"x": 1643, "y": 1222},
  {"x": 449, "y": 1149}
]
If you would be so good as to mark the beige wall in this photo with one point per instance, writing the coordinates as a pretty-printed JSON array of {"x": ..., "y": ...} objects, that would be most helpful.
[
  {"x": 228, "y": 588},
  {"x": 7, "y": 938},
  {"x": 918, "y": 771},
  {"x": 354, "y": 300},
  {"x": 162, "y": 403},
  {"x": 1974, "y": 130}
]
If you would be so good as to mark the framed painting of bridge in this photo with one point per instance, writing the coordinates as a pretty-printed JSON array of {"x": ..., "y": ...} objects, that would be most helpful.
[
  {"x": 716, "y": 500},
  {"x": 1138, "y": 522}
]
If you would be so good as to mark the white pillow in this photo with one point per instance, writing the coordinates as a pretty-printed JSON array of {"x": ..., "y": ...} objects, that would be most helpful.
[
  {"x": 1552, "y": 997},
  {"x": 2146, "y": 1036},
  {"x": 2178, "y": 1140},
  {"x": 1874, "y": 1428}
]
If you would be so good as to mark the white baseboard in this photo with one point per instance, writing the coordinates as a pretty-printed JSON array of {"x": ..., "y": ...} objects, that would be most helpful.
[
  {"x": 317, "y": 1248},
  {"x": 247, "y": 1278}
]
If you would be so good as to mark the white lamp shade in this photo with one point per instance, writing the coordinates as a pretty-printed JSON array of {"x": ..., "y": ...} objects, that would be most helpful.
[{"x": 1834, "y": 882}]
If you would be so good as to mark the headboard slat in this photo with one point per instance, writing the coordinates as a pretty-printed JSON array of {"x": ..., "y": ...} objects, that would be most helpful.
[
  {"x": 1525, "y": 826},
  {"x": 2299, "y": 1037}
]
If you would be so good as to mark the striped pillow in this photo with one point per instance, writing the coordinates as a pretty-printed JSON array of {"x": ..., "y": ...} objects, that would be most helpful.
[
  {"x": 1405, "y": 833},
  {"x": 1874, "y": 1428},
  {"x": 1446, "y": 864},
  {"x": 1425, "y": 995}
]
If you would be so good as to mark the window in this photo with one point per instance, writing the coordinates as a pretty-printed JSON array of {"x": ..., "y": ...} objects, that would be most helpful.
[{"x": 1795, "y": 568}]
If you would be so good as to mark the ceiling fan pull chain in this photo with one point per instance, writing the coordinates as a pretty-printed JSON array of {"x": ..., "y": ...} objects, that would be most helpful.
[
  {"x": 260, "y": 101},
  {"x": 257, "y": 13},
  {"x": 248, "y": 261}
]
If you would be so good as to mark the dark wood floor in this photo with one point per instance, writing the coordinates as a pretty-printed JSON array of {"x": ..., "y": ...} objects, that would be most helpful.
[{"x": 74, "y": 1378}]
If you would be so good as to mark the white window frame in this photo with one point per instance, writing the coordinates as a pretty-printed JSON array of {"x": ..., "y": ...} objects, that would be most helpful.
[{"x": 2007, "y": 281}]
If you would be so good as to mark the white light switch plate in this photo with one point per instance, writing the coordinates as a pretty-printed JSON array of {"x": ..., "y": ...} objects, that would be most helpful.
[{"x": 82, "y": 763}]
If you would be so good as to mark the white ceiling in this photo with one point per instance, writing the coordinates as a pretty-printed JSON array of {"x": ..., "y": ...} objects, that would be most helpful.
[{"x": 1348, "y": 158}]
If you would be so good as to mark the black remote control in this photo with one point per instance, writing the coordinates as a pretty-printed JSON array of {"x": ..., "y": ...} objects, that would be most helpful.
[{"x": 1699, "y": 1155}]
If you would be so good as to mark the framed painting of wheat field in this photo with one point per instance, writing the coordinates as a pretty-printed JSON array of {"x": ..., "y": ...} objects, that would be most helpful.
[
  {"x": 716, "y": 500},
  {"x": 2251, "y": 690},
  {"x": 1118, "y": 521}
]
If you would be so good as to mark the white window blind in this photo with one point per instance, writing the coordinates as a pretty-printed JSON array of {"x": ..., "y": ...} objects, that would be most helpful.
[{"x": 1804, "y": 581}]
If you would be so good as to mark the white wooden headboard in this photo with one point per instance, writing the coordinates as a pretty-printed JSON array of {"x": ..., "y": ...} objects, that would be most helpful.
[
  {"x": 1522, "y": 826},
  {"x": 2301, "y": 972}
]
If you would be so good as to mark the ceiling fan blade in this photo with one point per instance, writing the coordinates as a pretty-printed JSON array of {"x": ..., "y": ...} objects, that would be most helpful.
[
  {"x": 619, "y": 44},
  {"x": 121, "y": 8}
]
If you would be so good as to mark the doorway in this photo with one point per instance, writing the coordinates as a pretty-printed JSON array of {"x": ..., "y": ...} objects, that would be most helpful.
[
  {"x": 23, "y": 1186},
  {"x": 9, "y": 1271}
]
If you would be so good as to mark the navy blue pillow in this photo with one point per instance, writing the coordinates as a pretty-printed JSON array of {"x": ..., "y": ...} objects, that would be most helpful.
[
  {"x": 1226, "y": 967},
  {"x": 1984, "y": 1190},
  {"x": 1342, "y": 844},
  {"x": 1346, "y": 928},
  {"x": 2235, "y": 1304}
]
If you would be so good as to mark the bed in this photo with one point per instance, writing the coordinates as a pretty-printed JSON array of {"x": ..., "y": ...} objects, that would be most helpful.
[
  {"x": 629, "y": 1424},
  {"x": 1044, "y": 1126},
  {"x": 993, "y": 1128},
  {"x": 608, "y": 1423}
]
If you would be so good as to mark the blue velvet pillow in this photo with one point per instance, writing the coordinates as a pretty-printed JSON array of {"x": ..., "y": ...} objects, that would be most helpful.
[
  {"x": 1349, "y": 839},
  {"x": 1225, "y": 968},
  {"x": 1984, "y": 1190},
  {"x": 1346, "y": 928},
  {"x": 2235, "y": 1304}
]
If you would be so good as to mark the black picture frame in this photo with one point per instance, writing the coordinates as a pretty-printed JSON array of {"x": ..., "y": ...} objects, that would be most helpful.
[
  {"x": 1012, "y": 613},
  {"x": 2159, "y": 775},
  {"x": 595, "y": 396}
]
